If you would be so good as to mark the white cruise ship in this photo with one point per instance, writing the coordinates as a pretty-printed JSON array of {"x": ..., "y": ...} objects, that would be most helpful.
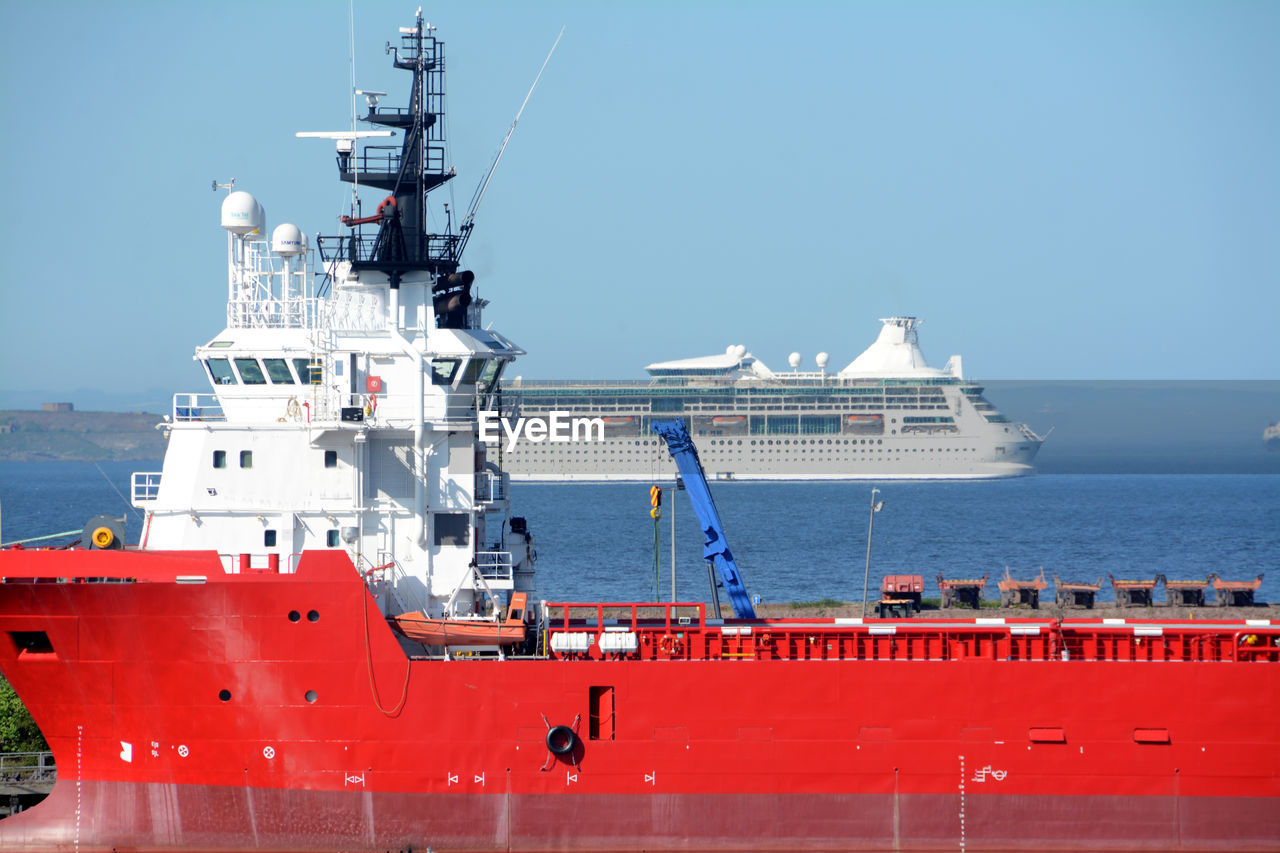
[{"x": 887, "y": 414}]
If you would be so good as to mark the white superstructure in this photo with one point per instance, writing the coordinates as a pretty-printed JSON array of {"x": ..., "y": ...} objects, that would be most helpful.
[{"x": 342, "y": 412}]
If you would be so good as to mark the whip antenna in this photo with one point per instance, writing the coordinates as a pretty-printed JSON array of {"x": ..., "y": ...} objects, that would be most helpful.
[{"x": 469, "y": 222}]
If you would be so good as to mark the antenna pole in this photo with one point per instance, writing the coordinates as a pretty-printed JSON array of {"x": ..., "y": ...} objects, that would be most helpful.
[{"x": 465, "y": 228}]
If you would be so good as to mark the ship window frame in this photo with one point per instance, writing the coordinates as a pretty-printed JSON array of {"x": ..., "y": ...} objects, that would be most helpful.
[
  {"x": 492, "y": 373},
  {"x": 451, "y": 529},
  {"x": 215, "y": 375},
  {"x": 219, "y": 459},
  {"x": 331, "y": 459},
  {"x": 309, "y": 372},
  {"x": 278, "y": 371},
  {"x": 246, "y": 367},
  {"x": 439, "y": 366},
  {"x": 246, "y": 458},
  {"x": 330, "y": 541},
  {"x": 471, "y": 374},
  {"x": 268, "y": 539}
]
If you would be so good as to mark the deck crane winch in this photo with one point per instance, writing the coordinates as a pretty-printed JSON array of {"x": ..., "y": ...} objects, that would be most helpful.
[{"x": 716, "y": 550}]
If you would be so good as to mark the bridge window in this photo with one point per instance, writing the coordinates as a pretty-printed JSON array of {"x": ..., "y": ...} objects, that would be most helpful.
[
  {"x": 309, "y": 372},
  {"x": 443, "y": 370},
  {"x": 492, "y": 371},
  {"x": 472, "y": 374},
  {"x": 250, "y": 371},
  {"x": 278, "y": 370},
  {"x": 220, "y": 371}
]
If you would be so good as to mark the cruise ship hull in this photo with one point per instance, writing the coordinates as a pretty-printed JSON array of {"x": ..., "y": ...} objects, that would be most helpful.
[
  {"x": 190, "y": 709},
  {"x": 641, "y": 460}
]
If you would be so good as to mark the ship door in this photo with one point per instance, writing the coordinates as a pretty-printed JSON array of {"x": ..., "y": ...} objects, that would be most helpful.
[{"x": 601, "y": 717}]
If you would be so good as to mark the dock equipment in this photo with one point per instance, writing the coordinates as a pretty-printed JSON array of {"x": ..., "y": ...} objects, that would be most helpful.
[
  {"x": 1134, "y": 593},
  {"x": 1184, "y": 593},
  {"x": 1014, "y": 593},
  {"x": 1234, "y": 593},
  {"x": 962, "y": 592},
  {"x": 1076, "y": 594},
  {"x": 716, "y": 550},
  {"x": 900, "y": 595}
]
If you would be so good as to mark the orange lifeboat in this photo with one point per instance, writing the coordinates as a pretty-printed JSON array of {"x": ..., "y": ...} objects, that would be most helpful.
[
  {"x": 462, "y": 631},
  {"x": 726, "y": 420}
]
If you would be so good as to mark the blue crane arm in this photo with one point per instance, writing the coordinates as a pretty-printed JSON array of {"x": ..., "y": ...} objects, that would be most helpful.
[{"x": 695, "y": 482}]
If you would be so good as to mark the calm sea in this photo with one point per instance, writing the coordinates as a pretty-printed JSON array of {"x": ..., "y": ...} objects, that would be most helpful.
[{"x": 806, "y": 541}]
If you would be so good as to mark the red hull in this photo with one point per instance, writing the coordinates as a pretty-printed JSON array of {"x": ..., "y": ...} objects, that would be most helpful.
[{"x": 330, "y": 738}]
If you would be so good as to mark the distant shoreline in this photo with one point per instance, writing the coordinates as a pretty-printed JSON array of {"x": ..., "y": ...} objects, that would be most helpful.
[{"x": 27, "y": 436}]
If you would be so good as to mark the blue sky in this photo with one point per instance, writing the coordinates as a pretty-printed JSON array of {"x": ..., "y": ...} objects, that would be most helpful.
[{"x": 1062, "y": 190}]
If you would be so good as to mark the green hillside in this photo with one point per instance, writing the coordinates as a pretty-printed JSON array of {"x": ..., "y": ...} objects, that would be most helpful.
[{"x": 79, "y": 436}]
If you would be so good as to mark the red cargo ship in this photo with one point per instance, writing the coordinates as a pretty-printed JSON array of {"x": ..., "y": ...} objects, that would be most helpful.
[{"x": 235, "y": 682}]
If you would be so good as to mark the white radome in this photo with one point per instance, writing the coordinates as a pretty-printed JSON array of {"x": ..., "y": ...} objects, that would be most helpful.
[
  {"x": 287, "y": 240},
  {"x": 241, "y": 213}
]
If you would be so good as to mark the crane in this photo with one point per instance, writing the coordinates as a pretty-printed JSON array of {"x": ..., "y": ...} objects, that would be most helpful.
[{"x": 716, "y": 550}]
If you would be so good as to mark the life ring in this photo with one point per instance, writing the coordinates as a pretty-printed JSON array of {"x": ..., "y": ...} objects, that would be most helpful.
[
  {"x": 291, "y": 409},
  {"x": 561, "y": 740},
  {"x": 670, "y": 644}
]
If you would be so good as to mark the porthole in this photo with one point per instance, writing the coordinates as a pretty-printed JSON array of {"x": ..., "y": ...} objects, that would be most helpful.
[
  {"x": 224, "y": 694},
  {"x": 313, "y": 616},
  {"x": 312, "y": 696},
  {"x": 294, "y": 616}
]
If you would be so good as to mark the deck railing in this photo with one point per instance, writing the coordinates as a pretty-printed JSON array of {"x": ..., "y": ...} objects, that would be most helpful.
[
  {"x": 659, "y": 636},
  {"x": 146, "y": 486}
]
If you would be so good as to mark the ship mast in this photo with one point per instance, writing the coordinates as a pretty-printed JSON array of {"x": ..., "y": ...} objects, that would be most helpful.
[{"x": 401, "y": 244}]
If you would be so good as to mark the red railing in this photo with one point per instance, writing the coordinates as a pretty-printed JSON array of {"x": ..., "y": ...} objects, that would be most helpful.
[{"x": 656, "y": 631}]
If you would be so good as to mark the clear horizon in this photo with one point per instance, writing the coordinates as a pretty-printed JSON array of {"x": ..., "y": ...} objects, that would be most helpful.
[{"x": 1060, "y": 190}]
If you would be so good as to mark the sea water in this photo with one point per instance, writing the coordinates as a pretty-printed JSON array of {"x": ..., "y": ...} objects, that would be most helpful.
[{"x": 808, "y": 541}]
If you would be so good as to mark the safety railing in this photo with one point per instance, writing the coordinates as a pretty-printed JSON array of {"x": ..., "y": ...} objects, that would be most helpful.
[
  {"x": 27, "y": 767},
  {"x": 659, "y": 636},
  {"x": 146, "y": 486},
  {"x": 494, "y": 565},
  {"x": 197, "y": 407},
  {"x": 491, "y": 487}
]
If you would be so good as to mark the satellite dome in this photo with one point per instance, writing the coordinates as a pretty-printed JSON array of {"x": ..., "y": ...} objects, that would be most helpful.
[
  {"x": 729, "y": 350},
  {"x": 287, "y": 240},
  {"x": 241, "y": 213},
  {"x": 794, "y": 360},
  {"x": 822, "y": 359},
  {"x": 739, "y": 351}
]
